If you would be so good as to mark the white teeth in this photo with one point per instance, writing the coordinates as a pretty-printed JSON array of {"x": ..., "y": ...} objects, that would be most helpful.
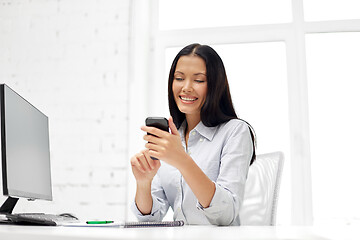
[{"x": 188, "y": 99}]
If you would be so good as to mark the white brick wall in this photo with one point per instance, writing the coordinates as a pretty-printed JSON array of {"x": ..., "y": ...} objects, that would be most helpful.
[{"x": 69, "y": 58}]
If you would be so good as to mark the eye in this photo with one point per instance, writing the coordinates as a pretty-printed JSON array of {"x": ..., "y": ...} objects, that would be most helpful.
[
  {"x": 178, "y": 78},
  {"x": 199, "y": 81}
]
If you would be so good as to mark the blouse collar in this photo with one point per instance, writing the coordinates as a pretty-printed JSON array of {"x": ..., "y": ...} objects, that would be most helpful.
[{"x": 207, "y": 132}]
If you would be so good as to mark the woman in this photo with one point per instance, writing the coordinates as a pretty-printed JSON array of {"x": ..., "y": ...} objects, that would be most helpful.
[{"x": 205, "y": 159}]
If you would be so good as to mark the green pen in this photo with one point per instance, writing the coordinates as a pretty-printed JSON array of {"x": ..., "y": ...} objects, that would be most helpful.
[{"x": 99, "y": 222}]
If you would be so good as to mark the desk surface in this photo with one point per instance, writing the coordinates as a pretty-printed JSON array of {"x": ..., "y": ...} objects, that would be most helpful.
[{"x": 181, "y": 233}]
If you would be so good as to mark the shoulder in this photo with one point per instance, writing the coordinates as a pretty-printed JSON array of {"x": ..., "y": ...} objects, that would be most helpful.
[
  {"x": 223, "y": 130},
  {"x": 234, "y": 130},
  {"x": 236, "y": 135},
  {"x": 234, "y": 125}
]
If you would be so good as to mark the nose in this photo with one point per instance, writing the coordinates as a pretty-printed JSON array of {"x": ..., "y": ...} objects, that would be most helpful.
[{"x": 187, "y": 87}]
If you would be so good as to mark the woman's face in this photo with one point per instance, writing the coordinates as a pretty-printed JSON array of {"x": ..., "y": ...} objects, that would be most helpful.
[{"x": 190, "y": 84}]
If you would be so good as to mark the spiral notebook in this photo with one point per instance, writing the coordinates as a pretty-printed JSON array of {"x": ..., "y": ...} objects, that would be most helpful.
[
  {"x": 177, "y": 223},
  {"x": 153, "y": 224}
]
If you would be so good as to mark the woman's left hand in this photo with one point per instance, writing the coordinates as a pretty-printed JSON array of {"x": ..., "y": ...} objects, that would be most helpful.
[{"x": 164, "y": 145}]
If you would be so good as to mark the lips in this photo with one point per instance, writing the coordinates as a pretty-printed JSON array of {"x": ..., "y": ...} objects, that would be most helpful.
[{"x": 188, "y": 99}]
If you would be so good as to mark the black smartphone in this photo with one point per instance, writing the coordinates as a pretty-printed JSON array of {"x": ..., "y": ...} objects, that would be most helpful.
[{"x": 158, "y": 122}]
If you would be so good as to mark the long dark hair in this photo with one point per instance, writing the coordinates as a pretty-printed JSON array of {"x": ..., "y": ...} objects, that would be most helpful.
[{"x": 218, "y": 107}]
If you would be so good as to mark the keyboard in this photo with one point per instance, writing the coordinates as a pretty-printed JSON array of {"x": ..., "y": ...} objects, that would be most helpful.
[{"x": 40, "y": 219}]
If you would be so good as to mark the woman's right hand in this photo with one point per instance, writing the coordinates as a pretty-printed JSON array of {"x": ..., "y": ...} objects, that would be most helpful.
[{"x": 144, "y": 167}]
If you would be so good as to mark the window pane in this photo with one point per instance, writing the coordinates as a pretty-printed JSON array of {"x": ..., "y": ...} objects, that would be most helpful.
[
  {"x": 184, "y": 14},
  {"x": 333, "y": 80},
  {"x": 320, "y": 10},
  {"x": 258, "y": 84}
]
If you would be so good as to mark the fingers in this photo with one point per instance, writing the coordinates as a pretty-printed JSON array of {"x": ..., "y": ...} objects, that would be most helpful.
[
  {"x": 150, "y": 161},
  {"x": 156, "y": 155},
  {"x": 160, "y": 143},
  {"x": 172, "y": 127},
  {"x": 143, "y": 162},
  {"x": 154, "y": 131},
  {"x": 154, "y": 148},
  {"x": 135, "y": 163},
  {"x": 152, "y": 139}
]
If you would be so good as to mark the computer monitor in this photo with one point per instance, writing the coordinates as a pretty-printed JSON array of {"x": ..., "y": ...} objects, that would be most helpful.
[{"x": 25, "y": 154}]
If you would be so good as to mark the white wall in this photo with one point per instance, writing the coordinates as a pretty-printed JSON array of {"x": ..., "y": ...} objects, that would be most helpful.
[{"x": 70, "y": 59}]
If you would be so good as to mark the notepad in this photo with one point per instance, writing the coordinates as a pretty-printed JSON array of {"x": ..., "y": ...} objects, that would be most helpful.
[{"x": 177, "y": 223}]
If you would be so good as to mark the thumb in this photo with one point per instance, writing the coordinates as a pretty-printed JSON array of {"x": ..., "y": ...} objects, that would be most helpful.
[{"x": 172, "y": 127}]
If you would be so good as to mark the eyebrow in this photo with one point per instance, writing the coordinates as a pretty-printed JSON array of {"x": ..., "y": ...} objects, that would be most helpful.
[
  {"x": 200, "y": 74},
  {"x": 196, "y": 74}
]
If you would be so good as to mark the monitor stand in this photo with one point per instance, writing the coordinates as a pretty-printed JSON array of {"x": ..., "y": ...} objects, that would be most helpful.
[{"x": 8, "y": 205}]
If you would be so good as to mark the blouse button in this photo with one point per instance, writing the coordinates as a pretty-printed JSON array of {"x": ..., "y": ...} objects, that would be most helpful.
[
  {"x": 201, "y": 139},
  {"x": 193, "y": 133}
]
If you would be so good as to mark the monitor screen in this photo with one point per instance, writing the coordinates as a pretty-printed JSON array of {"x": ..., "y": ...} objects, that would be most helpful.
[{"x": 25, "y": 154}]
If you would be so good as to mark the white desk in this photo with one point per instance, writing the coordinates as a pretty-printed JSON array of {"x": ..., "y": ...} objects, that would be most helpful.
[{"x": 10, "y": 232}]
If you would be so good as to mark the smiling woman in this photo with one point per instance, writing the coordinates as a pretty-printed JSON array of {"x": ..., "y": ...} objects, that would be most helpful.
[{"x": 205, "y": 158}]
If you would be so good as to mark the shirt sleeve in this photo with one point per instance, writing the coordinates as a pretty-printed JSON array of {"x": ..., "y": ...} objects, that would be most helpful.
[
  {"x": 160, "y": 204},
  {"x": 234, "y": 165}
]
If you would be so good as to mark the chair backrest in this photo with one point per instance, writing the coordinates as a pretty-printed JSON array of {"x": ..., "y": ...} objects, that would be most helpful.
[{"x": 261, "y": 190}]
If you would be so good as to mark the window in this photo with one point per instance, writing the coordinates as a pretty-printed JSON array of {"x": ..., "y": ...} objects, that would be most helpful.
[
  {"x": 333, "y": 76},
  {"x": 183, "y": 14},
  {"x": 289, "y": 70},
  {"x": 320, "y": 10}
]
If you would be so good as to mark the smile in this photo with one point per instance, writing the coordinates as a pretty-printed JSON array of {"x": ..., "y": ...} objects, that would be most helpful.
[{"x": 188, "y": 99}]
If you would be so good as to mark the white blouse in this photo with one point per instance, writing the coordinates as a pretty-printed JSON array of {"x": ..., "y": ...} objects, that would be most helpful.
[{"x": 223, "y": 153}]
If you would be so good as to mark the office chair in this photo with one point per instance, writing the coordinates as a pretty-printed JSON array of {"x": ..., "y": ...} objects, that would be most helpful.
[{"x": 261, "y": 190}]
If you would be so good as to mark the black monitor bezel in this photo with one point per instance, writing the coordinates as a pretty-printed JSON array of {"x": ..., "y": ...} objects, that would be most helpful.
[{"x": 3, "y": 141}]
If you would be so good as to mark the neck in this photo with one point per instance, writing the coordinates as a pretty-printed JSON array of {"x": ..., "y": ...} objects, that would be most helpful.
[{"x": 192, "y": 121}]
